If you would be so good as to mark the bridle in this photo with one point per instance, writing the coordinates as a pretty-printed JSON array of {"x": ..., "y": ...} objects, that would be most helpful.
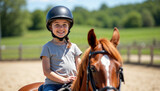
[{"x": 90, "y": 76}]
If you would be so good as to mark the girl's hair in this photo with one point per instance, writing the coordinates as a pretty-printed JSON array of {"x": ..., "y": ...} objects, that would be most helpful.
[{"x": 68, "y": 42}]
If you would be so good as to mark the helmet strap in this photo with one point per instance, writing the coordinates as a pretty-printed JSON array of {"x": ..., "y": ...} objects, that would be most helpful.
[{"x": 61, "y": 39}]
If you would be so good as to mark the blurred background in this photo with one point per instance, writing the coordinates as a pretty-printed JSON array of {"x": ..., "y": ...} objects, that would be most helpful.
[{"x": 23, "y": 32}]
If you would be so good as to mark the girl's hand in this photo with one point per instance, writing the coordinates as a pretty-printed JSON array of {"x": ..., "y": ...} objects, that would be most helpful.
[{"x": 69, "y": 79}]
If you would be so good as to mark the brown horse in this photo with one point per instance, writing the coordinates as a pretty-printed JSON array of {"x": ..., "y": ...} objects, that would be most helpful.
[{"x": 100, "y": 68}]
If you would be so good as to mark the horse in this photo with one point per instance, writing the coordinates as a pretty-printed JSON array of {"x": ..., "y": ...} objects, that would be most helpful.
[
  {"x": 100, "y": 68},
  {"x": 101, "y": 65}
]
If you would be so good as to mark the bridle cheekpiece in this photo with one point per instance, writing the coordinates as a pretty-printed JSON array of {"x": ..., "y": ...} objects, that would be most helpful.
[{"x": 90, "y": 76}]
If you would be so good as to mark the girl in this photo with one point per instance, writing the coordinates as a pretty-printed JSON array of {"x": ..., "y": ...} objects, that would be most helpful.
[{"x": 60, "y": 57}]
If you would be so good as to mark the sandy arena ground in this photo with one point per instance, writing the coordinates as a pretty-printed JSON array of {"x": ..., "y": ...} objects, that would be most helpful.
[{"x": 16, "y": 74}]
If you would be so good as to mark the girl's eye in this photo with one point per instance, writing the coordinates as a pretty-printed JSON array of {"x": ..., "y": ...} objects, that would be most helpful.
[
  {"x": 64, "y": 25},
  {"x": 57, "y": 25}
]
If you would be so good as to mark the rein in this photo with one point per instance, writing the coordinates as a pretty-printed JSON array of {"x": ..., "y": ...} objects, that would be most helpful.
[{"x": 90, "y": 76}]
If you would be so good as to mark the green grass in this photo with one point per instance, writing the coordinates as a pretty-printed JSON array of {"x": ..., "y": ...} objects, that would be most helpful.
[{"x": 78, "y": 35}]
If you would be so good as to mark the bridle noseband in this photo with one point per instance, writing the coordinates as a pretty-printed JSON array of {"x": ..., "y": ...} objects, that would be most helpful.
[{"x": 90, "y": 76}]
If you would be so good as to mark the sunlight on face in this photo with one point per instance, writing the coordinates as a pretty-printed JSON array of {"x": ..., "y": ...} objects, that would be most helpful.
[{"x": 60, "y": 27}]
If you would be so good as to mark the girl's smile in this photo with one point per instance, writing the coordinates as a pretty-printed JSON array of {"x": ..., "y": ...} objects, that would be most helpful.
[{"x": 60, "y": 27}]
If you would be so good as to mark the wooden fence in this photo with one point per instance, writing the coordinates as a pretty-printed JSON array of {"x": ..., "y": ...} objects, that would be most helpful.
[
  {"x": 153, "y": 52},
  {"x": 32, "y": 53},
  {"x": 20, "y": 52}
]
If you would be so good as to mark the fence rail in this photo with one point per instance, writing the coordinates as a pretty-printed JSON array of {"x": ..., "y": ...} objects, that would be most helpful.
[
  {"x": 32, "y": 53},
  {"x": 20, "y": 52},
  {"x": 151, "y": 56}
]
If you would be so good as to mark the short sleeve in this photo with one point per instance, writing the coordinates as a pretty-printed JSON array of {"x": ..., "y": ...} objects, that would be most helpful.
[
  {"x": 45, "y": 52},
  {"x": 78, "y": 52}
]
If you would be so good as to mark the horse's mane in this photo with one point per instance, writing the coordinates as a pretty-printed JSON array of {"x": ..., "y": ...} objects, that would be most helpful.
[
  {"x": 77, "y": 84},
  {"x": 109, "y": 47}
]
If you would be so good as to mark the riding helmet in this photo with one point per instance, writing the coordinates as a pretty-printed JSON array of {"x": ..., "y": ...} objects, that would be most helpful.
[{"x": 59, "y": 12}]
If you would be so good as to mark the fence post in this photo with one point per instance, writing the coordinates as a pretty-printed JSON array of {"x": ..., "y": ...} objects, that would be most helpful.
[
  {"x": 154, "y": 42},
  {"x": 151, "y": 54},
  {"x": 128, "y": 54},
  {"x": 20, "y": 52},
  {"x": 139, "y": 54}
]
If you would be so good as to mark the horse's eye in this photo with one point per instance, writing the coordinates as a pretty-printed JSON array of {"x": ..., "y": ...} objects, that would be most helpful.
[{"x": 92, "y": 68}]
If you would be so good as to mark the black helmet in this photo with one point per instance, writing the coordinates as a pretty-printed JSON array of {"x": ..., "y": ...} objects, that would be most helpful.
[{"x": 59, "y": 12}]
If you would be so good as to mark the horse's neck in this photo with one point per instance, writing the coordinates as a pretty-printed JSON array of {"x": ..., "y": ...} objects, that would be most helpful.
[{"x": 80, "y": 82}]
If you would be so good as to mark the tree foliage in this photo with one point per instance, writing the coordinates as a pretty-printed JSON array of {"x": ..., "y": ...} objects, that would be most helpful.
[
  {"x": 133, "y": 19},
  {"x": 103, "y": 7},
  {"x": 38, "y": 20},
  {"x": 81, "y": 15},
  {"x": 146, "y": 14},
  {"x": 147, "y": 19},
  {"x": 14, "y": 18}
]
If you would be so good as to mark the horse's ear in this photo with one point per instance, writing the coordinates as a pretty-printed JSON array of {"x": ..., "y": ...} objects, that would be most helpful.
[
  {"x": 115, "y": 37},
  {"x": 92, "y": 40}
]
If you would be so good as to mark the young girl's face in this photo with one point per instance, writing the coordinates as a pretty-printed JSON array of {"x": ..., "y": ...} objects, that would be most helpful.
[{"x": 60, "y": 27}]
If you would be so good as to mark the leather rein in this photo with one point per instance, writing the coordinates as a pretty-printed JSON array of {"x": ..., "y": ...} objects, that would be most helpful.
[{"x": 90, "y": 76}]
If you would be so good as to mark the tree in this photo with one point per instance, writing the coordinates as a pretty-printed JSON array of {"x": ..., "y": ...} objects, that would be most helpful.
[
  {"x": 103, "y": 7},
  {"x": 133, "y": 19},
  {"x": 38, "y": 19},
  {"x": 157, "y": 16},
  {"x": 80, "y": 15},
  {"x": 153, "y": 7},
  {"x": 147, "y": 19},
  {"x": 130, "y": 15},
  {"x": 116, "y": 21},
  {"x": 14, "y": 18},
  {"x": 104, "y": 19}
]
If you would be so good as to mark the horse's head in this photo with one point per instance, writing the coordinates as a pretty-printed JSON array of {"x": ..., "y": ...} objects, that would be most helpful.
[{"x": 104, "y": 63}]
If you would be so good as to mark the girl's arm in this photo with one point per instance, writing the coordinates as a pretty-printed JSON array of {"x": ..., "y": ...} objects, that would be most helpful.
[
  {"x": 77, "y": 60},
  {"x": 52, "y": 75}
]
